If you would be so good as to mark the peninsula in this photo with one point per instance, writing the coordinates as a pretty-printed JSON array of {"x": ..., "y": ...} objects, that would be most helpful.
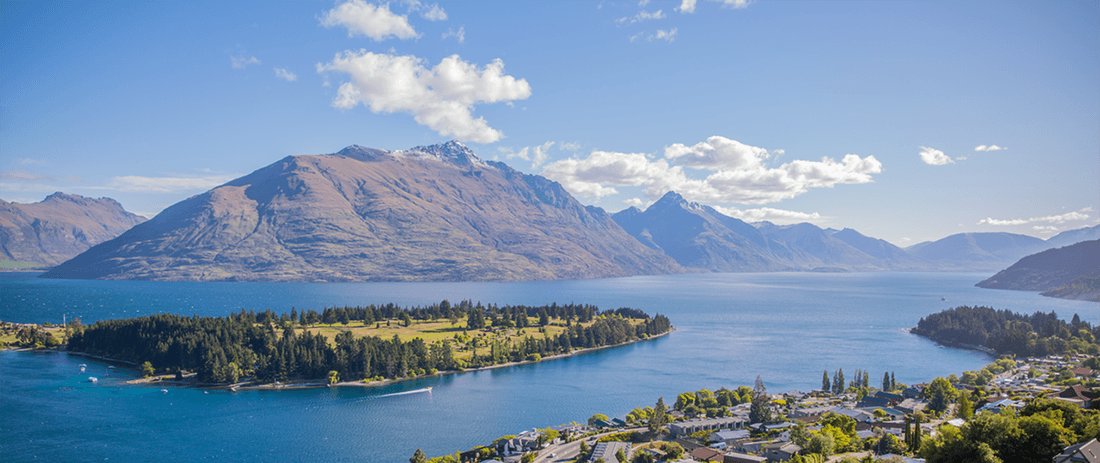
[{"x": 368, "y": 345}]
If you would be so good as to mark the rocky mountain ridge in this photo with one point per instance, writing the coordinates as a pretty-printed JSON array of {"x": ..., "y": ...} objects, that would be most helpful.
[{"x": 51, "y": 231}]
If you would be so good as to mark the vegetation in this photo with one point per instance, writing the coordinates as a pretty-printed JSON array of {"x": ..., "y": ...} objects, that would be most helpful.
[
  {"x": 1010, "y": 333},
  {"x": 269, "y": 348}
]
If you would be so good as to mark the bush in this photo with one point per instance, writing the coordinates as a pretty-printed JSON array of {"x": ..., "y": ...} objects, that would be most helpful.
[{"x": 534, "y": 357}]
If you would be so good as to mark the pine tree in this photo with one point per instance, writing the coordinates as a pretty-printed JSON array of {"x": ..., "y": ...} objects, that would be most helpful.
[
  {"x": 825, "y": 384},
  {"x": 886, "y": 382},
  {"x": 418, "y": 457},
  {"x": 893, "y": 382}
]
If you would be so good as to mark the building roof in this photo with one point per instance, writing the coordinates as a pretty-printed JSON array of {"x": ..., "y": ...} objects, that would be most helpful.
[
  {"x": 1087, "y": 452},
  {"x": 706, "y": 454}
]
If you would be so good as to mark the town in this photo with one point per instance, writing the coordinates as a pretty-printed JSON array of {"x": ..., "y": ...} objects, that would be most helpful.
[{"x": 1038, "y": 409}]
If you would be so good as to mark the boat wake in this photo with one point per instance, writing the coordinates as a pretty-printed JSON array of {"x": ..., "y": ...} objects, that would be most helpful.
[{"x": 414, "y": 391}]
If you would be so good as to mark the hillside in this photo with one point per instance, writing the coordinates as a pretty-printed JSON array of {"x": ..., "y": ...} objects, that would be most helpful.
[
  {"x": 1068, "y": 272},
  {"x": 434, "y": 213},
  {"x": 697, "y": 236},
  {"x": 977, "y": 251},
  {"x": 51, "y": 231}
]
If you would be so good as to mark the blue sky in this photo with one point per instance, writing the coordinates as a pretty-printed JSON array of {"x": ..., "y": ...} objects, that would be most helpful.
[{"x": 865, "y": 115}]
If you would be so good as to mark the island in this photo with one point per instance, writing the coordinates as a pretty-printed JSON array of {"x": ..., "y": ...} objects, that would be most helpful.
[{"x": 371, "y": 345}]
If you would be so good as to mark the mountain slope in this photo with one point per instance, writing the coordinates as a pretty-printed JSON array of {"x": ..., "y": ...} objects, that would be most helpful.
[
  {"x": 888, "y": 255},
  {"x": 977, "y": 251},
  {"x": 698, "y": 236},
  {"x": 1069, "y": 237},
  {"x": 1050, "y": 269},
  {"x": 59, "y": 227},
  {"x": 435, "y": 213},
  {"x": 815, "y": 247}
]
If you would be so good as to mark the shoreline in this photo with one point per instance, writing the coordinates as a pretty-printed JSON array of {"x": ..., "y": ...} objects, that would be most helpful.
[{"x": 160, "y": 380}]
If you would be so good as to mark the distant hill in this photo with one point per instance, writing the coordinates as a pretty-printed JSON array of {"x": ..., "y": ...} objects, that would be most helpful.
[
  {"x": 1067, "y": 271},
  {"x": 431, "y": 213},
  {"x": 1069, "y": 237},
  {"x": 46, "y": 233},
  {"x": 698, "y": 236},
  {"x": 977, "y": 251}
]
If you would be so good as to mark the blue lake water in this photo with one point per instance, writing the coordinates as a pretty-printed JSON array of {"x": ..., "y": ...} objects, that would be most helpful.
[{"x": 785, "y": 327}]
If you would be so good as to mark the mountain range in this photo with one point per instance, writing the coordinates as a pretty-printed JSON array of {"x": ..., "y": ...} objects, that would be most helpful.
[
  {"x": 49, "y": 232},
  {"x": 430, "y": 213},
  {"x": 440, "y": 213},
  {"x": 1071, "y": 272}
]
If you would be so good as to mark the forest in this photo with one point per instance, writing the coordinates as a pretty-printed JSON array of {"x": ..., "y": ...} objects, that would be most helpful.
[
  {"x": 267, "y": 347},
  {"x": 1010, "y": 333}
]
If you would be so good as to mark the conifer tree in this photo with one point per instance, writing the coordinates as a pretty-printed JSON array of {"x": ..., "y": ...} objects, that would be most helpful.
[
  {"x": 825, "y": 384},
  {"x": 886, "y": 382}
]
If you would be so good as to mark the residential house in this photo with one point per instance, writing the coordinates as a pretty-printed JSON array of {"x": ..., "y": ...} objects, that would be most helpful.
[
  {"x": 734, "y": 457},
  {"x": 1088, "y": 452},
  {"x": 1078, "y": 395},
  {"x": 729, "y": 436},
  {"x": 608, "y": 450},
  {"x": 781, "y": 451},
  {"x": 685, "y": 428}
]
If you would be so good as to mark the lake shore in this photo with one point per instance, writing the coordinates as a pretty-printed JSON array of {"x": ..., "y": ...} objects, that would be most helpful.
[{"x": 169, "y": 380}]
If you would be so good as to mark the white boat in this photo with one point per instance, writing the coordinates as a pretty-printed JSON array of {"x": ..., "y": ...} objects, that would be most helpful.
[
  {"x": 93, "y": 379},
  {"x": 82, "y": 369},
  {"x": 164, "y": 391}
]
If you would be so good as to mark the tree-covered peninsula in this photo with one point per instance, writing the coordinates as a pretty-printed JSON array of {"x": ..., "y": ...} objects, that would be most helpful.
[
  {"x": 310, "y": 345},
  {"x": 1009, "y": 333}
]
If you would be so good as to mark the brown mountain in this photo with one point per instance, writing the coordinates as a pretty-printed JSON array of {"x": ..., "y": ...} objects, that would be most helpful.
[
  {"x": 435, "y": 213},
  {"x": 59, "y": 227}
]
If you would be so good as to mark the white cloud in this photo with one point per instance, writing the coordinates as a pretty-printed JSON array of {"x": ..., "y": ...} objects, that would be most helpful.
[
  {"x": 241, "y": 62},
  {"x": 284, "y": 74},
  {"x": 641, "y": 16},
  {"x": 636, "y": 36},
  {"x": 934, "y": 156},
  {"x": 571, "y": 146},
  {"x": 441, "y": 98},
  {"x": 739, "y": 176},
  {"x": 636, "y": 202},
  {"x": 460, "y": 34},
  {"x": 1045, "y": 229},
  {"x": 668, "y": 35},
  {"x": 989, "y": 148},
  {"x": 24, "y": 176},
  {"x": 688, "y": 6},
  {"x": 376, "y": 22},
  {"x": 537, "y": 155},
  {"x": 1060, "y": 218},
  {"x": 431, "y": 12},
  {"x": 30, "y": 162},
  {"x": 134, "y": 183},
  {"x": 778, "y": 216}
]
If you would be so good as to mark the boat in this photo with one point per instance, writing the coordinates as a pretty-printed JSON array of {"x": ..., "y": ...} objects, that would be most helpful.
[
  {"x": 93, "y": 379},
  {"x": 82, "y": 369},
  {"x": 164, "y": 391}
]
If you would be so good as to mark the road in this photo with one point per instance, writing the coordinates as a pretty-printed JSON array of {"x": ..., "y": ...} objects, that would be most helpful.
[{"x": 569, "y": 450}]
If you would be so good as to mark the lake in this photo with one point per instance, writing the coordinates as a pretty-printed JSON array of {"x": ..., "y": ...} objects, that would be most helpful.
[{"x": 785, "y": 327}]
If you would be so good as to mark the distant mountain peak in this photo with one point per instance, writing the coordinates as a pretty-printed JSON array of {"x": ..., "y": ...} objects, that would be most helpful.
[{"x": 453, "y": 152}]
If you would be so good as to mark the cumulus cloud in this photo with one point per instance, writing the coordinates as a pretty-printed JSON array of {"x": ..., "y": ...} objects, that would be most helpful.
[
  {"x": 134, "y": 183},
  {"x": 739, "y": 173},
  {"x": 284, "y": 74},
  {"x": 1045, "y": 229},
  {"x": 537, "y": 154},
  {"x": 1059, "y": 218},
  {"x": 441, "y": 98},
  {"x": 24, "y": 176},
  {"x": 989, "y": 148},
  {"x": 641, "y": 16},
  {"x": 688, "y": 6},
  {"x": 365, "y": 19},
  {"x": 778, "y": 216},
  {"x": 934, "y": 156},
  {"x": 635, "y": 202},
  {"x": 460, "y": 34},
  {"x": 668, "y": 35},
  {"x": 571, "y": 146},
  {"x": 241, "y": 61}
]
